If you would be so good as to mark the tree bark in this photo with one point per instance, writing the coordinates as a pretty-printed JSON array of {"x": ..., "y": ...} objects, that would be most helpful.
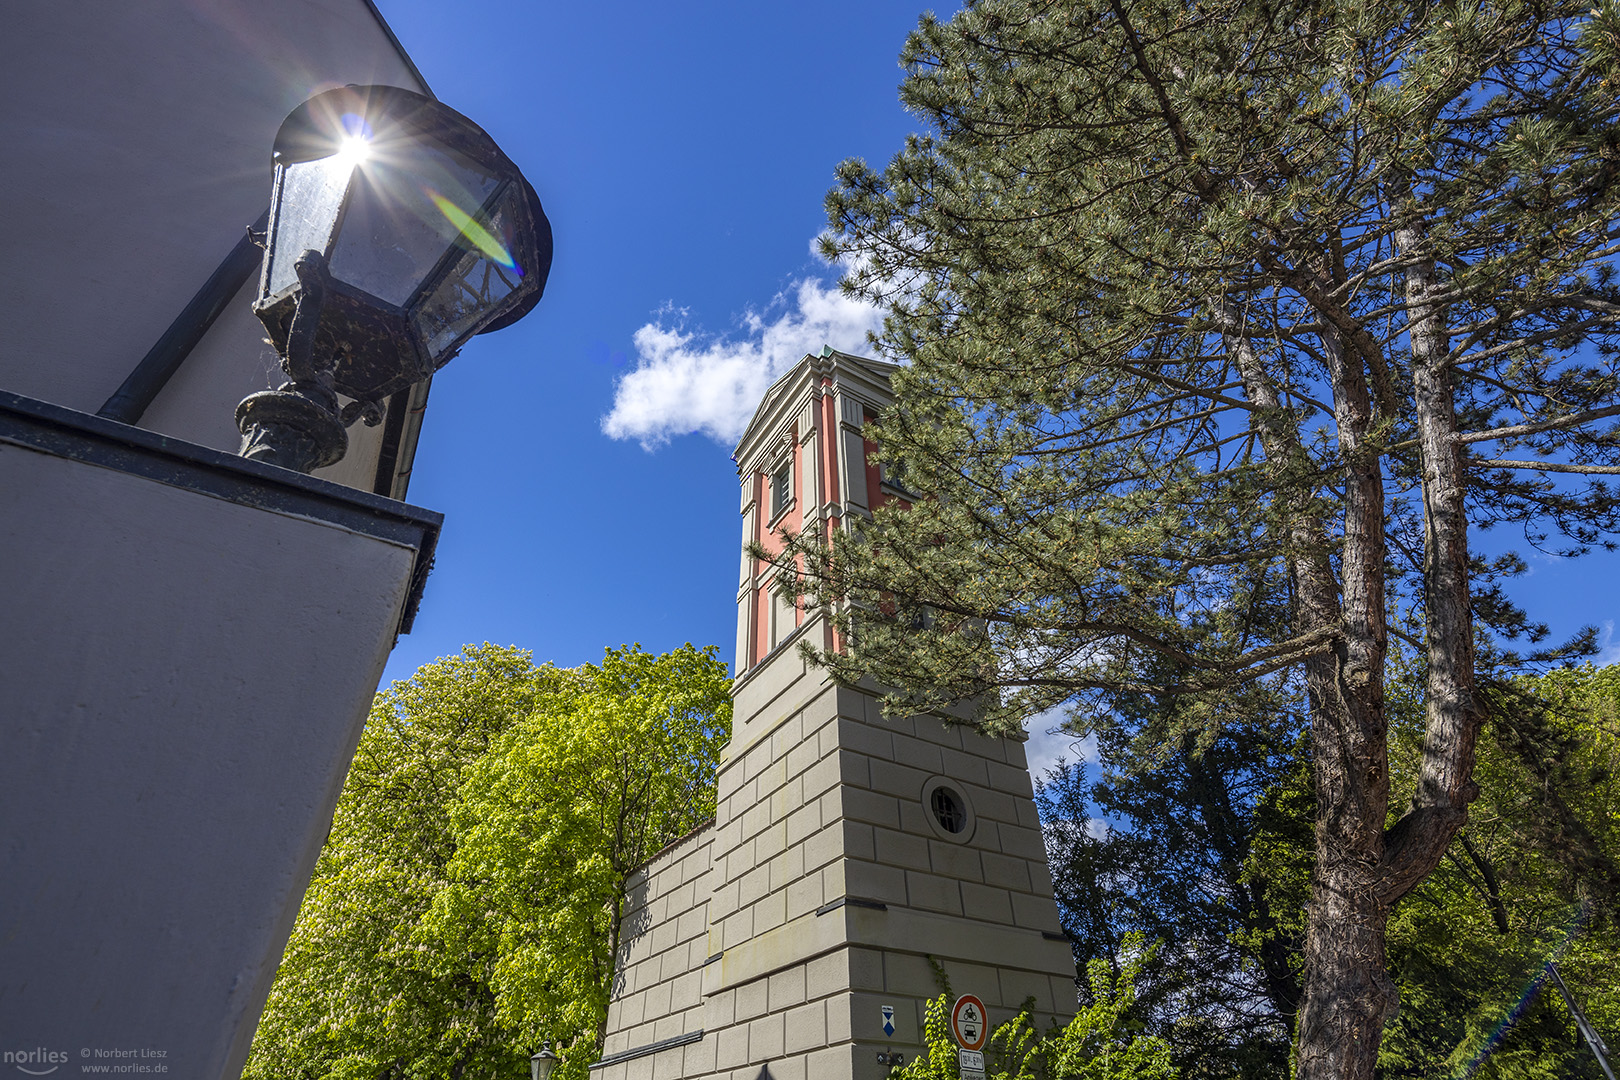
[
  {"x": 1417, "y": 842},
  {"x": 1348, "y": 992}
]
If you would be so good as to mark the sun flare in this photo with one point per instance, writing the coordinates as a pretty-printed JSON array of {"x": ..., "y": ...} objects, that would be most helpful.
[{"x": 353, "y": 150}]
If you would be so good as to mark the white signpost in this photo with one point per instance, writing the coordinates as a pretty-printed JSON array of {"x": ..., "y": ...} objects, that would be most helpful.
[{"x": 970, "y": 1027}]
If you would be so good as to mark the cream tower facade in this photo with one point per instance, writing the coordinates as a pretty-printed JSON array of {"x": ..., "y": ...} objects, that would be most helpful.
[{"x": 796, "y": 936}]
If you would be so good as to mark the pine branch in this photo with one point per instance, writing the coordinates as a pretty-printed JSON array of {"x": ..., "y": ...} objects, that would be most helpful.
[{"x": 1545, "y": 466}]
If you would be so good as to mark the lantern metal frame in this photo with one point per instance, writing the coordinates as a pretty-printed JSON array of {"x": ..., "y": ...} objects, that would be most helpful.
[{"x": 335, "y": 336}]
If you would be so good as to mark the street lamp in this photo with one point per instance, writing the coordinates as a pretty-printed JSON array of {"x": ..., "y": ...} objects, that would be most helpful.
[
  {"x": 398, "y": 230},
  {"x": 541, "y": 1064}
]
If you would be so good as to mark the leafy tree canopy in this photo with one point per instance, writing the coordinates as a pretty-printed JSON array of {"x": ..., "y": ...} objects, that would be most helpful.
[
  {"x": 465, "y": 907},
  {"x": 1102, "y": 1042},
  {"x": 1532, "y": 877}
]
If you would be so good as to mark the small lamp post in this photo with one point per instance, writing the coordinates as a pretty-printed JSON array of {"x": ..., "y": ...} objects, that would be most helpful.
[
  {"x": 398, "y": 230},
  {"x": 541, "y": 1064}
]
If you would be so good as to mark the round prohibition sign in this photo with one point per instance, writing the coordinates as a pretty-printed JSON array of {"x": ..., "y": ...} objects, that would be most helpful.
[{"x": 969, "y": 1023}]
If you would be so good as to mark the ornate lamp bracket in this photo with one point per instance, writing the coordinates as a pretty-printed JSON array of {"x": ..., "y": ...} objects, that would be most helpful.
[{"x": 299, "y": 425}]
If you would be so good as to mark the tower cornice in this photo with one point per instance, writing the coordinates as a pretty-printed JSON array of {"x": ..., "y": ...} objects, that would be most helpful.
[{"x": 805, "y": 380}]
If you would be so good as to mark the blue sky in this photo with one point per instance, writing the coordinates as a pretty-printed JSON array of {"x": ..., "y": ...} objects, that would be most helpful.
[{"x": 682, "y": 152}]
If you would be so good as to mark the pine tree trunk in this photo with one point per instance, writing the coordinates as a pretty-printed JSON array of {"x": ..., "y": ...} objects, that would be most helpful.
[
  {"x": 1348, "y": 993},
  {"x": 1445, "y": 787}
]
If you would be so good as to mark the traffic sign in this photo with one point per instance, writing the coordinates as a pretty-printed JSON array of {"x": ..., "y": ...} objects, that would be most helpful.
[
  {"x": 970, "y": 1063},
  {"x": 969, "y": 1023}
]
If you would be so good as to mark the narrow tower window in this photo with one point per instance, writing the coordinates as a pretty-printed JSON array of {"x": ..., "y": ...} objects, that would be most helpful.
[
  {"x": 781, "y": 487},
  {"x": 784, "y": 612}
]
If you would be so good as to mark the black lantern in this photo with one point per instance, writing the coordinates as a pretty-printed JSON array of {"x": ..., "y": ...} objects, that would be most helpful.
[
  {"x": 541, "y": 1064},
  {"x": 398, "y": 230}
]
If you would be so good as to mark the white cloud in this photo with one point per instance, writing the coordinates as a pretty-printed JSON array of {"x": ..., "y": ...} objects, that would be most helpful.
[
  {"x": 1048, "y": 742},
  {"x": 1608, "y": 647},
  {"x": 686, "y": 382}
]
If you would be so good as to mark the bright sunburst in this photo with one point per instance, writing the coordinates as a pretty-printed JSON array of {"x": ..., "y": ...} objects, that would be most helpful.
[{"x": 353, "y": 150}]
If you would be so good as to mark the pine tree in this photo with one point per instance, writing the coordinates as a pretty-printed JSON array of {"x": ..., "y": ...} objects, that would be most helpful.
[{"x": 1226, "y": 321}]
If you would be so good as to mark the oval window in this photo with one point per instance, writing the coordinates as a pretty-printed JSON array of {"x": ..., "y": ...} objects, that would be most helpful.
[{"x": 947, "y": 810}]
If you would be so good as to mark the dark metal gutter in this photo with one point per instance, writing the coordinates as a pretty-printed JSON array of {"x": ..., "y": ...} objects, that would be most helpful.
[
  {"x": 131, "y": 400},
  {"x": 852, "y": 901},
  {"x": 388, "y": 457}
]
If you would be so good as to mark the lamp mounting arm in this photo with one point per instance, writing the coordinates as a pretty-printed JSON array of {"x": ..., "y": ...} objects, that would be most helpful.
[
  {"x": 299, "y": 425},
  {"x": 369, "y": 411}
]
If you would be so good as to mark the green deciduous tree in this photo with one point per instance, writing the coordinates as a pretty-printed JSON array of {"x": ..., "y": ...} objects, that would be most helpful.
[
  {"x": 1226, "y": 321},
  {"x": 552, "y": 821},
  {"x": 465, "y": 908},
  {"x": 357, "y": 995},
  {"x": 1530, "y": 878},
  {"x": 1102, "y": 1042}
]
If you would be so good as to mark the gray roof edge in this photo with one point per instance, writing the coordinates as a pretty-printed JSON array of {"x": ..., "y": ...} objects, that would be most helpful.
[{"x": 388, "y": 32}]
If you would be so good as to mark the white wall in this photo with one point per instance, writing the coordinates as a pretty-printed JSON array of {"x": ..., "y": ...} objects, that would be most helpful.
[{"x": 183, "y": 679}]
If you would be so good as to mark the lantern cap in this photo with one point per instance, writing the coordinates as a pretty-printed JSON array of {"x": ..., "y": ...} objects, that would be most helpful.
[{"x": 542, "y": 1063}]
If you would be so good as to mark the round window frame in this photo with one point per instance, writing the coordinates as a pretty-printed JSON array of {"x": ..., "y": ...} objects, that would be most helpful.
[{"x": 971, "y": 820}]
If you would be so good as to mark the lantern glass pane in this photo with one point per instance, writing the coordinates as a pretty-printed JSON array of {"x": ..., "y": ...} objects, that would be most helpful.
[
  {"x": 404, "y": 214},
  {"x": 310, "y": 196},
  {"x": 484, "y": 275}
]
